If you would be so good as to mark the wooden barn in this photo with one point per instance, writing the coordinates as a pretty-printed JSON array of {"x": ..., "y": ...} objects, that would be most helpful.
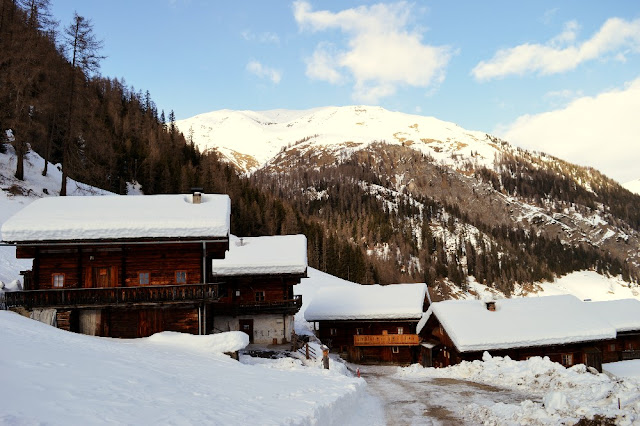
[
  {"x": 370, "y": 323},
  {"x": 121, "y": 266},
  {"x": 624, "y": 315},
  {"x": 258, "y": 275},
  {"x": 561, "y": 327}
]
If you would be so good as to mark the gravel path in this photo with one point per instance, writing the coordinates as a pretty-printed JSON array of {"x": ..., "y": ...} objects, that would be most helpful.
[{"x": 430, "y": 401}]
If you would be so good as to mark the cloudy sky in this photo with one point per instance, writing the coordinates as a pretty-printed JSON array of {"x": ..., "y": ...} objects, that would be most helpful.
[{"x": 560, "y": 77}]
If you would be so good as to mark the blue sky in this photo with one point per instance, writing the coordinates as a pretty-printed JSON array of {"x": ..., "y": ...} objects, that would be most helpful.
[{"x": 526, "y": 71}]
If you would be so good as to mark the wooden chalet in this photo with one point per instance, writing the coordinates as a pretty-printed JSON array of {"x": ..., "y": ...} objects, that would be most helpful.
[
  {"x": 563, "y": 328},
  {"x": 624, "y": 315},
  {"x": 121, "y": 266},
  {"x": 258, "y": 275},
  {"x": 370, "y": 323}
]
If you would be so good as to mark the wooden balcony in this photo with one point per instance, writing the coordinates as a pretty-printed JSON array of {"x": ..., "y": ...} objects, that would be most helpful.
[
  {"x": 113, "y": 296},
  {"x": 286, "y": 306},
  {"x": 386, "y": 340}
]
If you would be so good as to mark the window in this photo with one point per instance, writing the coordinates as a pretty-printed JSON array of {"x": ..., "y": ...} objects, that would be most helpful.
[
  {"x": 400, "y": 330},
  {"x": 333, "y": 331},
  {"x": 395, "y": 350},
  {"x": 567, "y": 360},
  {"x": 259, "y": 296},
  {"x": 358, "y": 331},
  {"x": 181, "y": 277},
  {"x": 144, "y": 278},
  {"x": 57, "y": 280},
  {"x": 612, "y": 347}
]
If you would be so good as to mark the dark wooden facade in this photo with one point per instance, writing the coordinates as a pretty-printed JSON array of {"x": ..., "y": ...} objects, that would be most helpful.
[
  {"x": 253, "y": 294},
  {"x": 135, "y": 289},
  {"x": 122, "y": 288},
  {"x": 372, "y": 341},
  {"x": 590, "y": 353}
]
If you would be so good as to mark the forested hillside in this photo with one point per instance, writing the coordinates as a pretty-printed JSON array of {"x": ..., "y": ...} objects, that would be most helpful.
[
  {"x": 104, "y": 133},
  {"x": 419, "y": 206}
]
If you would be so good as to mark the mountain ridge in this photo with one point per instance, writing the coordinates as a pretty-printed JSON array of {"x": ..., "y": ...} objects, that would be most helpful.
[{"x": 387, "y": 182}]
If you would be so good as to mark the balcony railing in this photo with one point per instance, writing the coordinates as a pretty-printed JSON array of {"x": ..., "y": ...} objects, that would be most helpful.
[
  {"x": 386, "y": 340},
  {"x": 286, "y": 305},
  {"x": 112, "y": 296}
]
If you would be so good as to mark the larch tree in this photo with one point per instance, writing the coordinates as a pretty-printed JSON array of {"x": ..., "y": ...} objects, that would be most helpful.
[{"x": 82, "y": 49}]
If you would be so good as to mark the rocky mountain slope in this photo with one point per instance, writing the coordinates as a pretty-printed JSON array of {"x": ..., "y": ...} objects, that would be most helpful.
[{"x": 429, "y": 200}]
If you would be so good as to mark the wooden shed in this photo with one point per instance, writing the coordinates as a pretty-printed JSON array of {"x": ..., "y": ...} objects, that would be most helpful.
[
  {"x": 370, "y": 324},
  {"x": 560, "y": 327}
]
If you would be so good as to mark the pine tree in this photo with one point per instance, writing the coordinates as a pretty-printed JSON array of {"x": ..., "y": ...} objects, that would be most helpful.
[{"x": 82, "y": 49}]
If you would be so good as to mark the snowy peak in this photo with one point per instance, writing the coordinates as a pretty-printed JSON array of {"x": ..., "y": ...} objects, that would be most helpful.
[
  {"x": 633, "y": 186},
  {"x": 251, "y": 139}
]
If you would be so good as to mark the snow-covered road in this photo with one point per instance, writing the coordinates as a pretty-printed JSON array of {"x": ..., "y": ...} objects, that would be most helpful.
[{"x": 430, "y": 401}]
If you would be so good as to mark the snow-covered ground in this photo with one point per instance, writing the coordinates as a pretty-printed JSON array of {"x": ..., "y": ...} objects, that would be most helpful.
[
  {"x": 562, "y": 395},
  {"x": 50, "y": 376}
]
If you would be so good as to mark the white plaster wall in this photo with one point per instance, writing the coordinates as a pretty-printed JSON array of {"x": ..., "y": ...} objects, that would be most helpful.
[{"x": 265, "y": 327}]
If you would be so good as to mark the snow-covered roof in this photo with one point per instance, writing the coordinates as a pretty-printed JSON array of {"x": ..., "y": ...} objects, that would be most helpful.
[
  {"x": 119, "y": 217},
  {"x": 518, "y": 323},
  {"x": 368, "y": 302},
  {"x": 623, "y": 314},
  {"x": 280, "y": 254}
]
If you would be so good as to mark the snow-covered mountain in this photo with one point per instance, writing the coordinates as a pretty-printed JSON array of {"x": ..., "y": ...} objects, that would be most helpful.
[
  {"x": 251, "y": 139},
  {"x": 476, "y": 188},
  {"x": 633, "y": 186}
]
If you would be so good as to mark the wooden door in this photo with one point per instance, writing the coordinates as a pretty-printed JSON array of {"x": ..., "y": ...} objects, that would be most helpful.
[
  {"x": 246, "y": 325},
  {"x": 102, "y": 277}
]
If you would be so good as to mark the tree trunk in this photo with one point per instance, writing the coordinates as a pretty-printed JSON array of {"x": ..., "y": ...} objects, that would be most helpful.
[{"x": 20, "y": 152}]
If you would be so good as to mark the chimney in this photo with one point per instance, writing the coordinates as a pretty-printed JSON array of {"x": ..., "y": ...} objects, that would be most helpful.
[
  {"x": 196, "y": 195},
  {"x": 491, "y": 306}
]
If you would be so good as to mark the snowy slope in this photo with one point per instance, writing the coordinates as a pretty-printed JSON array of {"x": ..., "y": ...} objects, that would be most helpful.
[
  {"x": 633, "y": 186},
  {"x": 16, "y": 194},
  {"x": 168, "y": 378},
  {"x": 250, "y": 139}
]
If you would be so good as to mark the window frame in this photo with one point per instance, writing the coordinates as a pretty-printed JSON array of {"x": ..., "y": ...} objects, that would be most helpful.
[
  {"x": 395, "y": 349},
  {"x": 260, "y": 296},
  {"x": 54, "y": 279},
  {"x": 400, "y": 330},
  {"x": 333, "y": 331},
  {"x": 181, "y": 272},
  {"x": 148, "y": 276},
  {"x": 359, "y": 331},
  {"x": 566, "y": 360}
]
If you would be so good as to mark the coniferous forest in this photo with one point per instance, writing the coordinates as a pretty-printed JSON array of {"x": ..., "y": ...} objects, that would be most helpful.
[{"x": 102, "y": 132}]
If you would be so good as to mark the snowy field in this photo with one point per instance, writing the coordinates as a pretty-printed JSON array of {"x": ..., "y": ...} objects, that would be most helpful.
[{"x": 50, "y": 376}]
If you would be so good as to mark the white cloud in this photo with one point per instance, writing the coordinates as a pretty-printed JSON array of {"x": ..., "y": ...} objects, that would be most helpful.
[
  {"x": 266, "y": 37},
  {"x": 380, "y": 54},
  {"x": 600, "y": 132},
  {"x": 256, "y": 68},
  {"x": 561, "y": 53}
]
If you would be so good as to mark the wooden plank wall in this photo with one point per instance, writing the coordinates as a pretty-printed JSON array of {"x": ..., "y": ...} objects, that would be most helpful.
[
  {"x": 130, "y": 323},
  {"x": 275, "y": 289},
  {"x": 160, "y": 261}
]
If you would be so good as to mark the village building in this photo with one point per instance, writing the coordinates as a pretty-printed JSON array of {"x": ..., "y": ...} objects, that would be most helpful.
[
  {"x": 257, "y": 295},
  {"x": 133, "y": 266},
  {"x": 370, "y": 323},
  {"x": 120, "y": 266},
  {"x": 624, "y": 315},
  {"x": 564, "y": 328}
]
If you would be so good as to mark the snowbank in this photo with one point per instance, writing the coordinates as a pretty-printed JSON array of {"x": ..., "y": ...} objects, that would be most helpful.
[
  {"x": 78, "y": 379},
  {"x": 280, "y": 254},
  {"x": 629, "y": 369},
  {"x": 566, "y": 395},
  {"x": 229, "y": 341}
]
